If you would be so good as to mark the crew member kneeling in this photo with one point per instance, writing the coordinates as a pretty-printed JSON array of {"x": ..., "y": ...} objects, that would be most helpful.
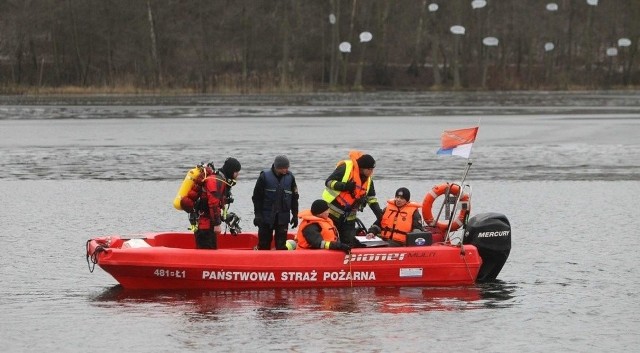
[{"x": 317, "y": 230}]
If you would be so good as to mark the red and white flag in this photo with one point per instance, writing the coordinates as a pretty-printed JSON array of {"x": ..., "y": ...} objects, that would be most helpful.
[{"x": 458, "y": 142}]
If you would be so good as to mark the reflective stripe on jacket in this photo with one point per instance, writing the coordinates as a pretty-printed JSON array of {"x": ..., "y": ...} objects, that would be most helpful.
[
  {"x": 345, "y": 201},
  {"x": 327, "y": 230}
]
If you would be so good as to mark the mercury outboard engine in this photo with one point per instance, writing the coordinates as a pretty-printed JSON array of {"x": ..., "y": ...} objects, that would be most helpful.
[{"x": 491, "y": 234}]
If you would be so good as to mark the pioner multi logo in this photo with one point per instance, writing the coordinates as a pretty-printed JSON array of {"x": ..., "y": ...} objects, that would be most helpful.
[{"x": 373, "y": 257}]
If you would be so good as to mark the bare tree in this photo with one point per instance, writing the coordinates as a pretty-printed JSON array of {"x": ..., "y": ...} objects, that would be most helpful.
[
  {"x": 335, "y": 33},
  {"x": 154, "y": 47},
  {"x": 382, "y": 10},
  {"x": 435, "y": 48},
  {"x": 247, "y": 45},
  {"x": 418, "y": 55},
  {"x": 362, "y": 46},
  {"x": 457, "y": 13}
]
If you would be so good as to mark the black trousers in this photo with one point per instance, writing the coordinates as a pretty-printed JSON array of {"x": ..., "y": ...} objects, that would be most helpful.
[
  {"x": 206, "y": 239},
  {"x": 347, "y": 231},
  {"x": 266, "y": 234}
]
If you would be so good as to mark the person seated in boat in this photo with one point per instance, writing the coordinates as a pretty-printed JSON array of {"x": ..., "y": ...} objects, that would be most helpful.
[
  {"x": 216, "y": 193},
  {"x": 275, "y": 196},
  {"x": 400, "y": 217},
  {"x": 348, "y": 190},
  {"x": 317, "y": 231}
]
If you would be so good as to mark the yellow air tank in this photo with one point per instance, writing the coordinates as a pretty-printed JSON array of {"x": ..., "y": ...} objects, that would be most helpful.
[{"x": 186, "y": 186}]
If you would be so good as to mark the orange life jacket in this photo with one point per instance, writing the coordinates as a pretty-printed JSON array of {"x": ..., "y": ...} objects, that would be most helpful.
[
  {"x": 327, "y": 229},
  {"x": 346, "y": 199},
  {"x": 397, "y": 222}
]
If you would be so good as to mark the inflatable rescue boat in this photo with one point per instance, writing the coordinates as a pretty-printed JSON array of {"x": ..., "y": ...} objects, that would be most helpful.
[{"x": 170, "y": 261}]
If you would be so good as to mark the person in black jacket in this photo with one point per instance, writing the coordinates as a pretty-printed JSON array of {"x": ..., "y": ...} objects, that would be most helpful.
[{"x": 275, "y": 196}]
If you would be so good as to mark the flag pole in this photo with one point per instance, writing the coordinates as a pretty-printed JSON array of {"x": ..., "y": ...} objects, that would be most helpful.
[
  {"x": 453, "y": 212},
  {"x": 451, "y": 142},
  {"x": 464, "y": 177}
]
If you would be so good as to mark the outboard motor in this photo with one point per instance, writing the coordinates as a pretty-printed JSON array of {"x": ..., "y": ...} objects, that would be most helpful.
[{"x": 491, "y": 234}]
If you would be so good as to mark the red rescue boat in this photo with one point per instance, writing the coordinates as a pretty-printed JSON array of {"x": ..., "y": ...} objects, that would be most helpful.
[{"x": 171, "y": 261}]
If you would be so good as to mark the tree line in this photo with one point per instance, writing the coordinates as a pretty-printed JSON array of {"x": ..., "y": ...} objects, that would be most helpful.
[{"x": 295, "y": 45}]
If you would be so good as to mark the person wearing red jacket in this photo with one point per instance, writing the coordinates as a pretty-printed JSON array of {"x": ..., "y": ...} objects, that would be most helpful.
[{"x": 216, "y": 193}]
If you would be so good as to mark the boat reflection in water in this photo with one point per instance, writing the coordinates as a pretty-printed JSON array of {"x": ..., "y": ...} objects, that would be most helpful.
[{"x": 280, "y": 303}]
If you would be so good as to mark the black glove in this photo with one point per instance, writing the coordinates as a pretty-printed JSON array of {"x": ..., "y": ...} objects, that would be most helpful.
[
  {"x": 374, "y": 229},
  {"x": 294, "y": 221},
  {"x": 257, "y": 221},
  {"x": 346, "y": 248},
  {"x": 340, "y": 246},
  {"x": 350, "y": 186}
]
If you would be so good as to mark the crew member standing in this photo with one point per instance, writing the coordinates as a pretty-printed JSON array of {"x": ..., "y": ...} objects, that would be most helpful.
[
  {"x": 348, "y": 190},
  {"x": 275, "y": 196},
  {"x": 216, "y": 192}
]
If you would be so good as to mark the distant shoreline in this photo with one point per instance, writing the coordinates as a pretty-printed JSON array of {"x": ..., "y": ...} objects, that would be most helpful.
[{"x": 133, "y": 91}]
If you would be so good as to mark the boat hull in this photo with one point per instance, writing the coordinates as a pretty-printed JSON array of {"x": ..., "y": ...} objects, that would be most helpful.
[{"x": 169, "y": 261}]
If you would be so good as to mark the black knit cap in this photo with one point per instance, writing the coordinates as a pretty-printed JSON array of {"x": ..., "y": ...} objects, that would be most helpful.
[
  {"x": 319, "y": 206},
  {"x": 231, "y": 165},
  {"x": 366, "y": 162},
  {"x": 281, "y": 161},
  {"x": 404, "y": 193}
]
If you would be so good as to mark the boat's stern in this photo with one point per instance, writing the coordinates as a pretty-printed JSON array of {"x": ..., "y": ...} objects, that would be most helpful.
[{"x": 490, "y": 233}]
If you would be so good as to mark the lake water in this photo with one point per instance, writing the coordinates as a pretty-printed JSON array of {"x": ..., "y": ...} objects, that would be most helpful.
[{"x": 563, "y": 167}]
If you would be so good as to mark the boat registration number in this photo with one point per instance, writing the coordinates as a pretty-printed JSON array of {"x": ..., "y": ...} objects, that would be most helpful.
[{"x": 161, "y": 272}]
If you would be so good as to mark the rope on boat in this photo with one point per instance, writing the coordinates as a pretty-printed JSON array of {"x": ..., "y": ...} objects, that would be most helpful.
[
  {"x": 462, "y": 253},
  {"x": 92, "y": 259},
  {"x": 464, "y": 258},
  {"x": 350, "y": 272}
]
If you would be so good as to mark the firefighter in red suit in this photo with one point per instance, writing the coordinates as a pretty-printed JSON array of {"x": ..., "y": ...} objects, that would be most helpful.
[{"x": 215, "y": 195}]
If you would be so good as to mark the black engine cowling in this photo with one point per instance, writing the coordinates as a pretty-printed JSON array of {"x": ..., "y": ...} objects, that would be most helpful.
[{"x": 491, "y": 234}]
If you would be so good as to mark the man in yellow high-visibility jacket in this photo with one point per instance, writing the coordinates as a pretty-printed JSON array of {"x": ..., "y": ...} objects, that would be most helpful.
[{"x": 348, "y": 190}]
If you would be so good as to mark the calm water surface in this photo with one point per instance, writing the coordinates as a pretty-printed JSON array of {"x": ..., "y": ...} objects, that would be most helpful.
[{"x": 564, "y": 168}]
